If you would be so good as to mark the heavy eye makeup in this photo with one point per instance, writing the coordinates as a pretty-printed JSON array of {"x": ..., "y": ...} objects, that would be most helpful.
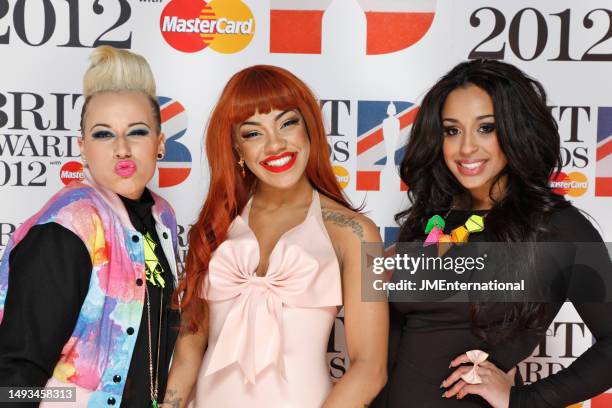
[
  {"x": 138, "y": 132},
  {"x": 106, "y": 134},
  {"x": 487, "y": 128},
  {"x": 102, "y": 134}
]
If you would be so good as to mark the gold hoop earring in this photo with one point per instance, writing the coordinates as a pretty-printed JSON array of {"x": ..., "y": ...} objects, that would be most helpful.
[{"x": 241, "y": 164}]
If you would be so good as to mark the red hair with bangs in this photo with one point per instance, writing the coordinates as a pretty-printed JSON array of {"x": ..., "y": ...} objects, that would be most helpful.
[{"x": 257, "y": 89}]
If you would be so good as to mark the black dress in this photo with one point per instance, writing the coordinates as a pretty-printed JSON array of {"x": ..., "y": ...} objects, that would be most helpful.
[
  {"x": 426, "y": 336},
  {"x": 45, "y": 298}
]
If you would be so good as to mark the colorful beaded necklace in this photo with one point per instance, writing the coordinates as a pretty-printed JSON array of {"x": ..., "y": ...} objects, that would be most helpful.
[{"x": 435, "y": 230}]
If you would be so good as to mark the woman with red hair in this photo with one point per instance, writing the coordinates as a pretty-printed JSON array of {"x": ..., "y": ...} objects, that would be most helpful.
[{"x": 273, "y": 256}]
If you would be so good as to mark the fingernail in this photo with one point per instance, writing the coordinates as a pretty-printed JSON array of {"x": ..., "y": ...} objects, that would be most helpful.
[
  {"x": 442, "y": 385},
  {"x": 444, "y": 394}
]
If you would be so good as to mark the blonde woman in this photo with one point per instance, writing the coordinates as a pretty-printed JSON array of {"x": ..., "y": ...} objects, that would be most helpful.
[{"x": 85, "y": 283}]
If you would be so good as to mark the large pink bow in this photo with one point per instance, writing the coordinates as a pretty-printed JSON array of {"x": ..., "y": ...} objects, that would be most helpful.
[
  {"x": 252, "y": 332},
  {"x": 476, "y": 357}
]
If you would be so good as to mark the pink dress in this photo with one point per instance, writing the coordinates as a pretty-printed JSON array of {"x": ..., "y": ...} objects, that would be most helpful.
[{"x": 268, "y": 335}]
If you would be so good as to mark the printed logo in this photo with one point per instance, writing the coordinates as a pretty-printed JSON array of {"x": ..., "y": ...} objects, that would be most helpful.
[
  {"x": 573, "y": 184},
  {"x": 175, "y": 167},
  {"x": 396, "y": 25},
  {"x": 296, "y": 26},
  {"x": 226, "y": 26},
  {"x": 382, "y": 133},
  {"x": 603, "y": 165},
  {"x": 71, "y": 171},
  {"x": 342, "y": 176}
]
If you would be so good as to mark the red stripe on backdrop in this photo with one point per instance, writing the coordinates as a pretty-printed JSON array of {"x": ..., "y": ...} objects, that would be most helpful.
[
  {"x": 369, "y": 141},
  {"x": 603, "y": 187},
  {"x": 170, "y": 111},
  {"x": 296, "y": 31},
  {"x": 408, "y": 118},
  {"x": 169, "y": 177},
  {"x": 368, "y": 180},
  {"x": 604, "y": 150},
  {"x": 392, "y": 31}
]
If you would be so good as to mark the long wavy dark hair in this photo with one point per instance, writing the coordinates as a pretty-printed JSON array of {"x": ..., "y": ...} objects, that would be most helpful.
[{"x": 527, "y": 134}]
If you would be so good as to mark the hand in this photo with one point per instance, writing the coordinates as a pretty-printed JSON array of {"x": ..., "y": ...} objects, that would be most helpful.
[{"x": 495, "y": 386}]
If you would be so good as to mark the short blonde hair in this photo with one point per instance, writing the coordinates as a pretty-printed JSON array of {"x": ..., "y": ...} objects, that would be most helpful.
[{"x": 116, "y": 70}]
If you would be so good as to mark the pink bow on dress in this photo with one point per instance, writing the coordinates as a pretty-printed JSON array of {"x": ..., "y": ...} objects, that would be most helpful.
[
  {"x": 476, "y": 357},
  {"x": 251, "y": 335}
]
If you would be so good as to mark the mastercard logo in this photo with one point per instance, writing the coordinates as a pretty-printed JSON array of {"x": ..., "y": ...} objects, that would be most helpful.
[
  {"x": 71, "y": 171},
  {"x": 573, "y": 184},
  {"x": 226, "y": 26},
  {"x": 342, "y": 176}
]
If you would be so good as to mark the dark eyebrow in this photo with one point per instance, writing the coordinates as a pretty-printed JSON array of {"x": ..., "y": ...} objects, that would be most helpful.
[
  {"x": 280, "y": 115},
  {"x": 99, "y": 124},
  {"x": 277, "y": 117},
  {"x": 481, "y": 117},
  {"x": 137, "y": 123}
]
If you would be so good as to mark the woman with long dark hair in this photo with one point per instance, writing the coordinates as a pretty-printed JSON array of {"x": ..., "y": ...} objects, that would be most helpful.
[
  {"x": 481, "y": 154},
  {"x": 273, "y": 255}
]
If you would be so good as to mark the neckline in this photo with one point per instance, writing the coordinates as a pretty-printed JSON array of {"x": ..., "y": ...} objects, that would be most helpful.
[{"x": 314, "y": 202}]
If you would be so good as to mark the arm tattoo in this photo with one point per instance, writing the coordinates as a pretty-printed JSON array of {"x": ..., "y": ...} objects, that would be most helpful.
[
  {"x": 172, "y": 400},
  {"x": 343, "y": 221}
]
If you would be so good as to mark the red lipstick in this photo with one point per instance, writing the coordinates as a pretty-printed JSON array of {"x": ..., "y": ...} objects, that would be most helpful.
[{"x": 279, "y": 163}]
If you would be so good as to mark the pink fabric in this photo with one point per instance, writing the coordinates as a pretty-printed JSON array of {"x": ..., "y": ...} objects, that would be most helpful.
[
  {"x": 82, "y": 395},
  {"x": 268, "y": 335},
  {"x": 476, "y": 357}
]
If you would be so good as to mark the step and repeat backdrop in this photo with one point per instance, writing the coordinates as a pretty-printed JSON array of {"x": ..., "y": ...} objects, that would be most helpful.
[{"x": 368, "y": 61}]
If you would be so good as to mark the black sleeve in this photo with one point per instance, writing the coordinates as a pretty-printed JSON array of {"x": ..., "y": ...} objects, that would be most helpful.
[
  {"x": 590, "y": 374},
  {"x": 396, "y": 322},
  {"x": 49, "y": 272}
]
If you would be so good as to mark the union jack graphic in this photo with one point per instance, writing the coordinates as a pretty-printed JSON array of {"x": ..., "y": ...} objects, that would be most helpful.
[
  {"x": 392, "y": 25},
  {"x": 296, "y": 26},
  {"x": 176, "y": 164},
  {"x": 603, "y": 166},
  {"x": 382, "y": 130}
]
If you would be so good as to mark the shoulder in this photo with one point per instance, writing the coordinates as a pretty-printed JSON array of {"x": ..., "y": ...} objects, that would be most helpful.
[
  {"x": 348, "y": 224},
  {"x": 160, "y": 202},
  {"x": 76, "y": 198},
  {"x": 50, "y": 241},
  {"x": 77, "y": 207},
  {"x": 163, "y": 210},
  {"x": 572, "y": 224}
]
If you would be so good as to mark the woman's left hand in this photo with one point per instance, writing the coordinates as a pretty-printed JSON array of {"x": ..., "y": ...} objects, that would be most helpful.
[{"x": 495, "y": 386}]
